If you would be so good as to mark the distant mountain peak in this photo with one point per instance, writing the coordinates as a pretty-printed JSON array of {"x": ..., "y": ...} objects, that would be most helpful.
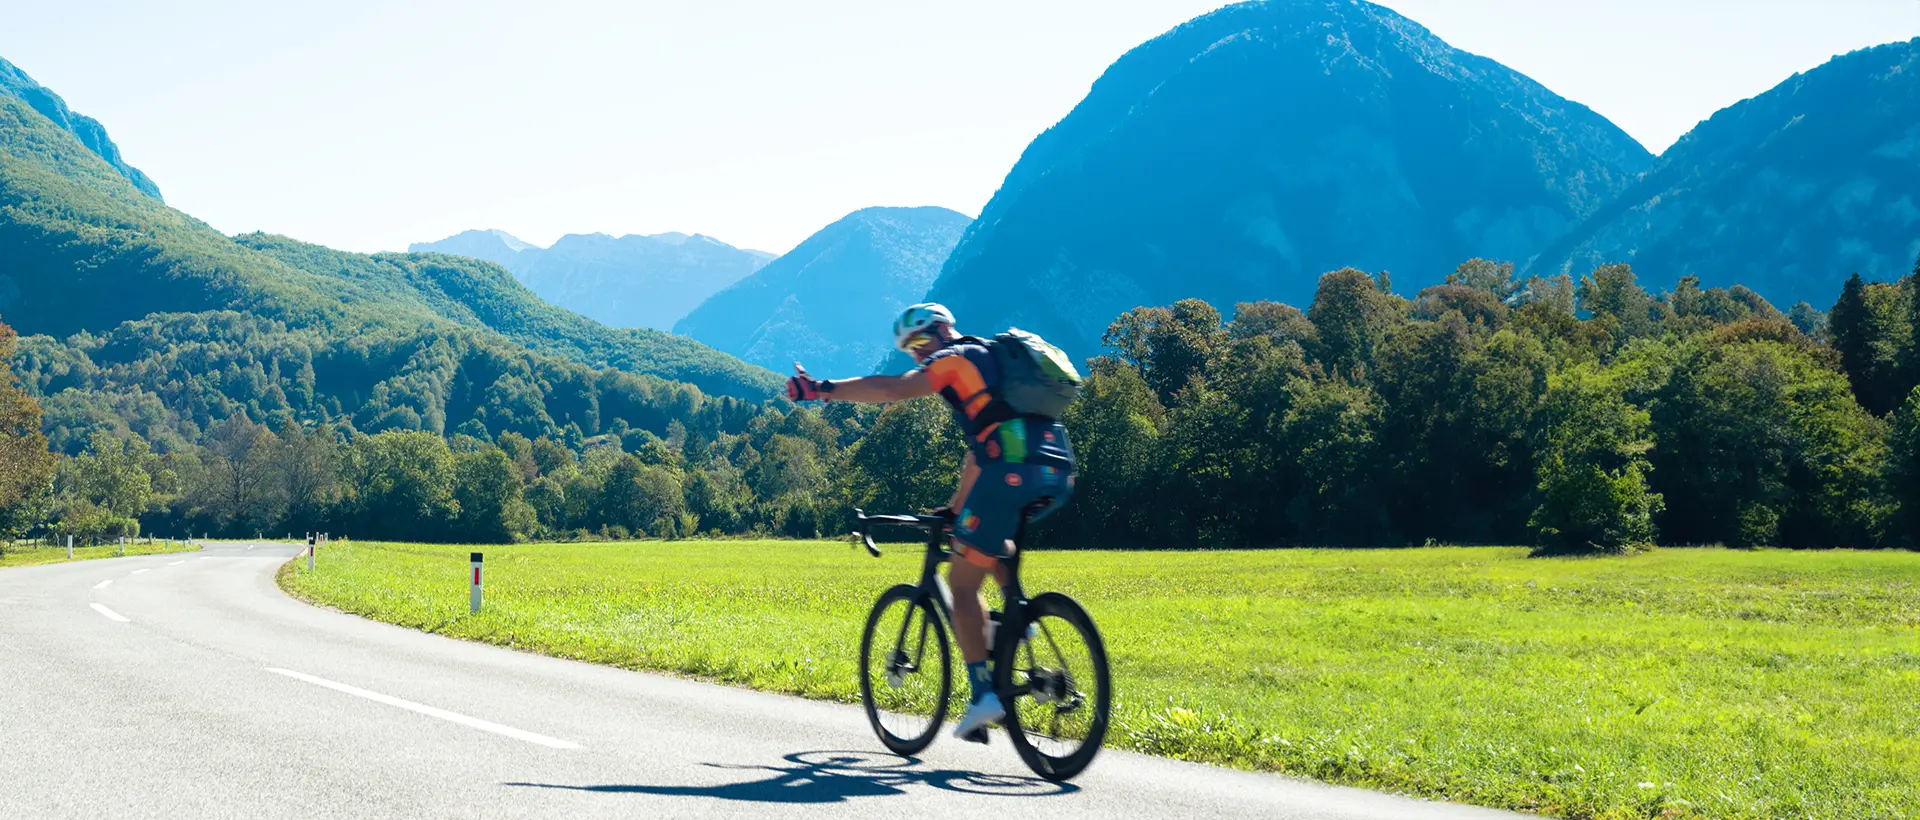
[
  {"x": 492, "y": 245},
  {"x": 93, "y": 135},
  {"x": 628, "y": 281},
  {"x": 1247, "y": 151},
  {"x": 828, "y": 301}
]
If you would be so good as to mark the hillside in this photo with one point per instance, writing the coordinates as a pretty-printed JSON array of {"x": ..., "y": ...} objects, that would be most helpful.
[
  {"x": 146, "y": 318},
  {"x": 1787, "y": 193},
  {"x": 829, "y": 302},
  {"x": 629, "y": 282},
  {"x": 93, "y": 135},
  {"x": 1247, "y": 151},
  {"x": 483, "y": 295}
]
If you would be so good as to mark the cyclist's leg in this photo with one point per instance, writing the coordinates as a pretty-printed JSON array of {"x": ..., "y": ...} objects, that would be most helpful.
[
  {"x": 969, "y": 606},
  {"x": 982, "y": 534}
]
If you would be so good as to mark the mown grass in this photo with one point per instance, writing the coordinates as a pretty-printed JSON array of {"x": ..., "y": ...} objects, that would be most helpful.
[
  {"x": 1682, "y": 683},
  {"x": 22, "y": 555}
]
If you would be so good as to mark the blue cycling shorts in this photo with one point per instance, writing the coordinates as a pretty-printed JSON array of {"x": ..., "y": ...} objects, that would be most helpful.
[{"x": 990, "y": 516}]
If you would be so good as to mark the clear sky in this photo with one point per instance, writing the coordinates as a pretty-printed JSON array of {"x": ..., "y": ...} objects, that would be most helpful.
[{"x": 369, "y": 124}]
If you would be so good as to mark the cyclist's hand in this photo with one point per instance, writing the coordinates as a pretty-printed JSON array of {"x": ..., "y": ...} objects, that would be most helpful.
[
  {"x": 944, "y": 512},
  {"x": 802, "y": 387}
]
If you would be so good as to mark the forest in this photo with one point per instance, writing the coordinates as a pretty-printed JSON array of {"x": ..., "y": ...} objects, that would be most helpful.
[{"x": 1576, "y": 417}]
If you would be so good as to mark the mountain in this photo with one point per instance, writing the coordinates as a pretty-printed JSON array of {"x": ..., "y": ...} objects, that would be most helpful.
[
  {"x": 1788, "y": 192},
  {"x": 16, "y": 83},
  {"x": 1244, "y": 153},
  {"x": 829, "y": 302},
  {"x": 140, "y": 318},
  {"x": 632, "y": 281},
  {"x": 496, "y": 246}
]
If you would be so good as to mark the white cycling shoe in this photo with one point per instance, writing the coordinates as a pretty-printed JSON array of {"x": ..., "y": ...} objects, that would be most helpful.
[{"x": 982, "y": 713}]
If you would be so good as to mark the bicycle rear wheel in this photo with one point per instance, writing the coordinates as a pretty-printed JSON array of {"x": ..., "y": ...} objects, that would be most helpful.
[
  {"x": 906, "y": 670},
  {"x": 1056, "y": 688}
]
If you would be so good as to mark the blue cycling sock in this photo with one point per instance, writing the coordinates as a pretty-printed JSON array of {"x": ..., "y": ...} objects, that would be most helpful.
[{"x": 981, "y": 679}]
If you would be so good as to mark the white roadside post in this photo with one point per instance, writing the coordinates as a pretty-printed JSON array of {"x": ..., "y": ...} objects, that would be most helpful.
[
  {"x": 69, "y": 547},
  {"x": 309, "y": 552},
  {"x": 123, "y": 545},
  {"x": 473, "y": 606}
]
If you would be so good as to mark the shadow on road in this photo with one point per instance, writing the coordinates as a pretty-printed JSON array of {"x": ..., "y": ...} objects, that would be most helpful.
[{"x": 836, "y": 776}]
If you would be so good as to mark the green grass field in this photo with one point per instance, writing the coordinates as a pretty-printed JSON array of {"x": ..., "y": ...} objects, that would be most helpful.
[
  {"x": 1681, "y": 683},
  {"x": 22, "y": 555}
]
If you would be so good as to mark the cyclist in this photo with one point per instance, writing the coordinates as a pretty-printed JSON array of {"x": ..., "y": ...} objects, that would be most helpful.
[{"x": 1012, "y": 461}]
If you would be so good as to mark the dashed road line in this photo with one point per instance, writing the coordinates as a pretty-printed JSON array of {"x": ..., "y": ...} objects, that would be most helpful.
[
  {"x": 111, "y": 615},
  {"x": 138, "y": 571},
  {"x": 430, "y": 711},
  {"x": 103, "y": 584}
]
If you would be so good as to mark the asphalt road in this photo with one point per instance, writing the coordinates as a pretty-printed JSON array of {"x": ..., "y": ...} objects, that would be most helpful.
[{"x": 189, "y": 685}]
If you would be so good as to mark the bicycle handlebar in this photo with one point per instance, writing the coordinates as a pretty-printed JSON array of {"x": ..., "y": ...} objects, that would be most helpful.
[{"x": 863, "y": 526}]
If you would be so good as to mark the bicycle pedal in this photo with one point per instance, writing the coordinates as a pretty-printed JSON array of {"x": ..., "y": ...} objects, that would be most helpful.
[{"x": 980, "y": 736}]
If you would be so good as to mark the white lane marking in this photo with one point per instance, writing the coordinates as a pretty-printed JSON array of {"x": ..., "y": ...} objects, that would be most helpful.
[
  {"x": 176, "y": 563},
  {"x": 111, "y": 615},
  {"x": 138, "y": 571},
  {"x": 452, "y": 717},
  {"x": 103, "y": 584},
  {"x": 205, "y": 558}
]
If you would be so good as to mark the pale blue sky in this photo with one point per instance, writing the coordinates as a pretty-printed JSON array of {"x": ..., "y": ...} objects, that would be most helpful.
[{"x": 369, "y": 124}]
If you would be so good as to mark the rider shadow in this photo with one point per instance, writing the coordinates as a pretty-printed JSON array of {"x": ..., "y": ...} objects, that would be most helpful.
[{"x": 835, "y": 777}]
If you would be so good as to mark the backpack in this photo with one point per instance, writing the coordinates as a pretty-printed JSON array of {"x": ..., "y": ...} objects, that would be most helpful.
[{"x": 1036, "y": 378}]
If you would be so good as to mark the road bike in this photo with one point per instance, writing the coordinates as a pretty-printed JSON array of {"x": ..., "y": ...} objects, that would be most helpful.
[{"x": 1049, "y": 663}]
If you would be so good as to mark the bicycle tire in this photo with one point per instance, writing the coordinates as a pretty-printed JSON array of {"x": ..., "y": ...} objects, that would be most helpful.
[
  {"x": 1015, "y": 694},
  {"x": 906, "y": 705}
]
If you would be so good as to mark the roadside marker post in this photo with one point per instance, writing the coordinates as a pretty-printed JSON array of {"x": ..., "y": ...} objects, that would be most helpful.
[
  {"x": 69, "y": 547},
  {"x": 309, "y": 552},
  {"x": 123, "y": 545},
  {"x": 473, "y": 606}
]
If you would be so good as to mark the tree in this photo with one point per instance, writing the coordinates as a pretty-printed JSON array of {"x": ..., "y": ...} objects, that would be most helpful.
[
  {"x": 1759, "y": 444},
  {"x": 112, "y": 475},
  {"x": 1592, "y": 468},
  {"x": 1492, "y": 278},
  {"x": 1330, "y": 424},
  {"x": 909, "y": 461},
  {"x": 1351, "y": 315},
  {"x": 1115, "y": 426},
  {"x": 401, "y": 485},
  {"x": 1172, "y": 346},
  {"x": 641, "y": 498},
  {"x": 26, "y": 466},
  {"x": 492, "y": 509},
  {"x": 1279, "y": 322},
  {"x": 1903, "y": 471},
  {"x": 307, "y": 465},
  {"x": 1809, "y": 321},
  {"x": 1870, "y": 329},
  {"x": 1612, "y": 292},
  {"x": 239, "y": 494}
]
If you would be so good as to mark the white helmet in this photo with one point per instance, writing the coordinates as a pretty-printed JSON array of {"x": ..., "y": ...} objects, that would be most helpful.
[{"x": 917, "y": 318}]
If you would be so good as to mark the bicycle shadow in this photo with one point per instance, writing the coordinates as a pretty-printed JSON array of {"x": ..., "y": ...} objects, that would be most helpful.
[{"x": 836, "y": 777}]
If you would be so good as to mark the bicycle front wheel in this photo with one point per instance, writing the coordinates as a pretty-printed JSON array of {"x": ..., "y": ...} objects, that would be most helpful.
[
  {"x": 906, "y": 670},
  {"x": 1056, "y": 688}
]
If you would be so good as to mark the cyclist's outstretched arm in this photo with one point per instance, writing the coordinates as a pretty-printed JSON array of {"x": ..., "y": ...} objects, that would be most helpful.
[{"x": 881, "y": 389}]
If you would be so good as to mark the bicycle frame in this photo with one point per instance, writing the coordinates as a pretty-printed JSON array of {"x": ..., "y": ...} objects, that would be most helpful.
[{"x": 932, "y": 585}]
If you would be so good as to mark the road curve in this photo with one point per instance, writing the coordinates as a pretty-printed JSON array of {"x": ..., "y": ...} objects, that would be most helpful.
[{"x": 196, "y": 688}]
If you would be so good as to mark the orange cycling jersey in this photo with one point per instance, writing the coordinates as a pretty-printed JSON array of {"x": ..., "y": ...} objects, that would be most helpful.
[{"x": 964, "y": 374}]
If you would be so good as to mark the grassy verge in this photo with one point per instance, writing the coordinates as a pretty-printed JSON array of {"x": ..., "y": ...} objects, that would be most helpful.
[
  {"x": 1683, "y": 683},
  {"x": 26, "y": 556}
]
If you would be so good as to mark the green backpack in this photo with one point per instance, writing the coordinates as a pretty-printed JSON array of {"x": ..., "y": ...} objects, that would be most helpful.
[{"x": 1036, "y": 378}]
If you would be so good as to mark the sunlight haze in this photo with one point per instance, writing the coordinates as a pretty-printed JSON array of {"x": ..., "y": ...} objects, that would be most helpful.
[{"x": 367, "y": 126}]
